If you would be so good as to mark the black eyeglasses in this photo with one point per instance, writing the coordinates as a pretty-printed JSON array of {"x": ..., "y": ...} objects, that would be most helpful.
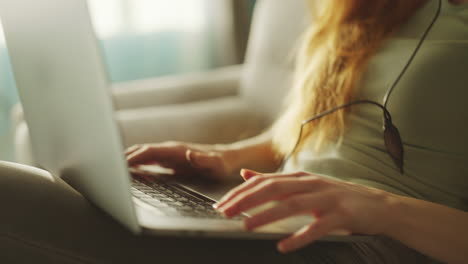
[{"x": 392, "y": 138}]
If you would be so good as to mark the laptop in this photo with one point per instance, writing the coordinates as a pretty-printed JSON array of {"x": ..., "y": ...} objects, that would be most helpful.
[{"x": 64, "y": 90}]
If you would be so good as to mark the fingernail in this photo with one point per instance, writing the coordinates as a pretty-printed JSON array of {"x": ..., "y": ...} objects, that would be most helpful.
[
  {"x": 242, "y": 173},
  {"x": 281, "y": 248},
  {"x": 220, "y": 207},
  {"x": 222, "y": 200},
  {"x": 247, "y": 174},
  {"x": 189, "y": 156},
  {"x": 223, "y": 209}
]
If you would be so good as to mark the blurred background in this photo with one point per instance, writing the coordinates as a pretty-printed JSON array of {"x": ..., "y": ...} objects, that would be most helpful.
[{"x": 148, "y": 38}]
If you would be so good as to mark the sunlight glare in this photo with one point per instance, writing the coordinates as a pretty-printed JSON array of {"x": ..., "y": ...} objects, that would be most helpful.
[
  {"x": 168, "y": 15},
  {"x": 106, "y": 16}
]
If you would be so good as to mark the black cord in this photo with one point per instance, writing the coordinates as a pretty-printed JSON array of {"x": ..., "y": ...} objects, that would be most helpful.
[
  {"x": 305, "y": 122},
  {"x": 388, "y": 125},
  {"x": 421, "y": 41}
]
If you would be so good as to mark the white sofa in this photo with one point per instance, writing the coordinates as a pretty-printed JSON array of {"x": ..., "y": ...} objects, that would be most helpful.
[{"x": 219, "y": 106}]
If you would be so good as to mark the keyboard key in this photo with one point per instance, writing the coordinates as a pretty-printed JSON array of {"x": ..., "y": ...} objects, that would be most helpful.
[{"x": 174, "y": 201}]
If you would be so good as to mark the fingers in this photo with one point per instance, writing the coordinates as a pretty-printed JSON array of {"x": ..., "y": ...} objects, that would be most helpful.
[
  {"x": 247, "y": 174},
  {"x": 252, "y": 182},
  {"x": 269, "y": 190},
  {"x": 310, "y": 203},
  {"x": 132, "y": 149},
  {"x": 323, "y": 226},
  {"x": 182, "y": 158},
  {"x": 139, "y": 155},
  {"x": 142, "y": 154}
]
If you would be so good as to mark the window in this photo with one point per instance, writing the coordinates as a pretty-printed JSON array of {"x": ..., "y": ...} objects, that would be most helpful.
[
  {"x": 148, "y": 38},
  {"x": 113, "y": 17}
]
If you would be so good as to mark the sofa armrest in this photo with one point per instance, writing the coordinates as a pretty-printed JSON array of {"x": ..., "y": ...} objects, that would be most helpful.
[
  {"x": 156, "y": 110},
  {"x": 221, "y": 120},
  {"x": 177, "y": 89},
  {"x": 167, "y": 90}
]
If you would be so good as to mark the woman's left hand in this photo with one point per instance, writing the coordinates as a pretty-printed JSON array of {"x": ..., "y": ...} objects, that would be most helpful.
[{"x": 335, "y": 204}]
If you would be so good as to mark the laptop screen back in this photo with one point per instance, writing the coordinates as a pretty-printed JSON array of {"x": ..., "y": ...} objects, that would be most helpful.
[{"x": 63, "y": 87}]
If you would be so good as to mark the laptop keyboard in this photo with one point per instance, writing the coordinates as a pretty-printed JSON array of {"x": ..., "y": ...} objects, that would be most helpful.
[{"x": 173, "y": 200}]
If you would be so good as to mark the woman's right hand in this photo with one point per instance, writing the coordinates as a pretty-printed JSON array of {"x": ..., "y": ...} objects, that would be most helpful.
[{"x": 211, "y": 161}]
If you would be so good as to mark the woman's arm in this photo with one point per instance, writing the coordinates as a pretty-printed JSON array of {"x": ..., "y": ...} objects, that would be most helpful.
[
  {"x": 255, "y": 153},
  {"x": 218, "y": 162},
  {"x": 435, "y": 230},
  {"x": 432, "y": 229}
]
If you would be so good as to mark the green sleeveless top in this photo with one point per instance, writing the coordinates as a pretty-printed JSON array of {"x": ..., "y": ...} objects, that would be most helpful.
[{"x": 429, "y": 106}]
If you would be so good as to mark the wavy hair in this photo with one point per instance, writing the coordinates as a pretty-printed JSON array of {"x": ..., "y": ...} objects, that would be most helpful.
[{"x": 333, "y": 55}]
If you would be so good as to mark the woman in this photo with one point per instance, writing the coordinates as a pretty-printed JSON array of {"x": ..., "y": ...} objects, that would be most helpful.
[{"x": 341, "y": 171}]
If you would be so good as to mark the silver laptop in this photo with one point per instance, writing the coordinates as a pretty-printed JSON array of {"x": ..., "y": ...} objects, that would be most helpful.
[{"x": 64, "y": 89}]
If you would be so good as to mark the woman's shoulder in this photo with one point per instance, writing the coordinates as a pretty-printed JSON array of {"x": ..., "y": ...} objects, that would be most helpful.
[{"x": 451, "y": 23}]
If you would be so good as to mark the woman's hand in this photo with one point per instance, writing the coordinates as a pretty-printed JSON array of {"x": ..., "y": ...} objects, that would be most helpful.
[
  {"x": 211, "y": 161},
  {"x": 337, "y": 205}
]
